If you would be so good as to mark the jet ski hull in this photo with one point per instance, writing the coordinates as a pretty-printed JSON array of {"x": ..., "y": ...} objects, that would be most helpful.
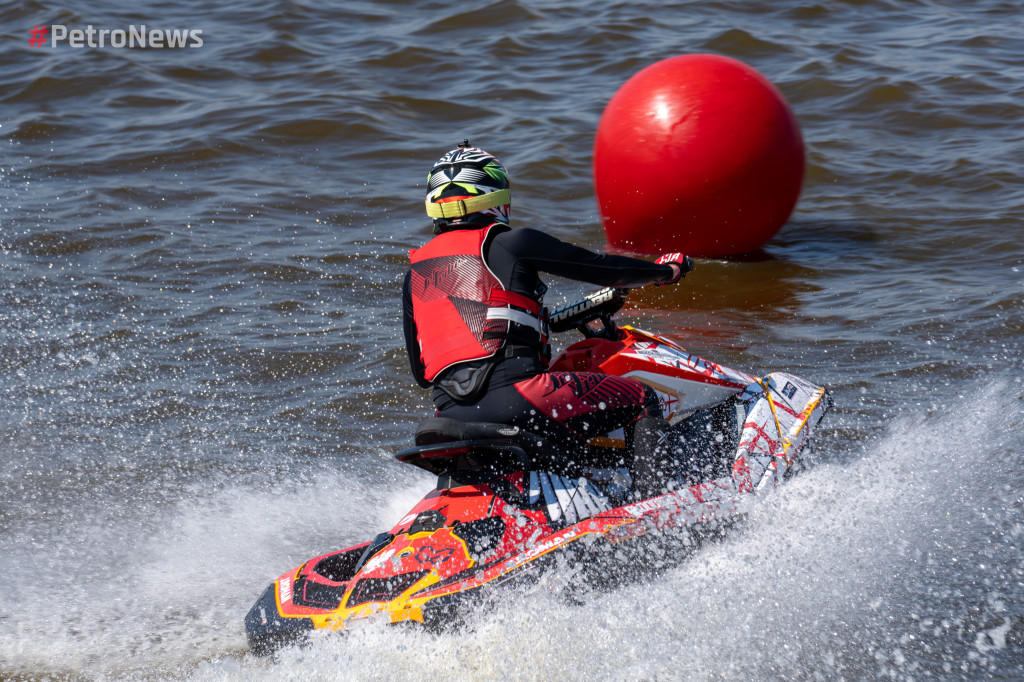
[{"x": 506, "y": 509}]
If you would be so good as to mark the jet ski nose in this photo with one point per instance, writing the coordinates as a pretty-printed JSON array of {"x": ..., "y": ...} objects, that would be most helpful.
[{"x": 267, "y": 630}]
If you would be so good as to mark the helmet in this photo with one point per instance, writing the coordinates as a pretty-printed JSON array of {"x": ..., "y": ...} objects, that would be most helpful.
[{"x": 467, "y": 186}]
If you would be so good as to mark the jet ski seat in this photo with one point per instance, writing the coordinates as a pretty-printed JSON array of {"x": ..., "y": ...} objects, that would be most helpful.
[
  {"x": 443, "y": 430},
  {"x": 443, "y": 445}
]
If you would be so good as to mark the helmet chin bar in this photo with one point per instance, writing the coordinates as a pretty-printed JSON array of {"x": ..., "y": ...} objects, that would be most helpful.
[{"x": 471, "y": 222}]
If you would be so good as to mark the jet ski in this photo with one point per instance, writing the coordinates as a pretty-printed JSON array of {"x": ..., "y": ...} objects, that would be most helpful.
[{"x": 509, "y": 504}]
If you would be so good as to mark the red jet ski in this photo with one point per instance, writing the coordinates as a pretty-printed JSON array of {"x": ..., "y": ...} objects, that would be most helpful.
[{"x": 508, "y": 503}]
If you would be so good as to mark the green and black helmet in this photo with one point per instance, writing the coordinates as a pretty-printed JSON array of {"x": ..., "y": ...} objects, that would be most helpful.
[{"x": 467, "y": 185}]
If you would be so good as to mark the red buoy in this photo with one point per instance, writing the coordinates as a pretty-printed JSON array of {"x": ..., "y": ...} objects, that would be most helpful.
[{"x": 700, "y": 154}]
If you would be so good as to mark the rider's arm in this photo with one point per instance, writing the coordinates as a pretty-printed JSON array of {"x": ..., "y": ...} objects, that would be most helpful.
[
  {"x": 412, "y": 344},
  {"x": 548, "y": 254}
]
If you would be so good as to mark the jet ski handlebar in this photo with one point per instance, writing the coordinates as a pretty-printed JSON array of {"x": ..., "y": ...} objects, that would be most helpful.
[{"x": 600, "y": 305}]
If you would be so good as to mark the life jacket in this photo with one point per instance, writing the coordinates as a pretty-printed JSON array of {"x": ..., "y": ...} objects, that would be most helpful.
[{"x": 461, "y": 310}]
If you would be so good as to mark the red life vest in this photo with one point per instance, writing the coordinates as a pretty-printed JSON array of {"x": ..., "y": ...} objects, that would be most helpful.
[{"x": 461, "y": 310}]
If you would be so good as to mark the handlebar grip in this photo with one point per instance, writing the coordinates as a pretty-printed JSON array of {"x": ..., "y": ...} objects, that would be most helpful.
[{"x": 607, "y": 301}]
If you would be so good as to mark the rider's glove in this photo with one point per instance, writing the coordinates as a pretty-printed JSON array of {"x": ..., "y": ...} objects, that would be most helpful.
[{"x": 683, "y": 263}]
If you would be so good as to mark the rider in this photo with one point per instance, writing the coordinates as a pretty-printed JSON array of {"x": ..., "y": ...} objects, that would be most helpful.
[{"x": 474, "y": 323}]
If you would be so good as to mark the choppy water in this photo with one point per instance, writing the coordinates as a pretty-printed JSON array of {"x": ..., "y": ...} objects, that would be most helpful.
[{"x": 202, "y": 373}]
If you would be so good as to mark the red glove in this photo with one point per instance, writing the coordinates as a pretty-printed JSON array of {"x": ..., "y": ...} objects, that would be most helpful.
[{"x": 682, "y": 263}]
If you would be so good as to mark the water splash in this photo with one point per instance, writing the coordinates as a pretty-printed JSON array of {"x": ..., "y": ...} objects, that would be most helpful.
[
  {"x": 845, "y": 574},
  {"x": 175, "y": 587}
]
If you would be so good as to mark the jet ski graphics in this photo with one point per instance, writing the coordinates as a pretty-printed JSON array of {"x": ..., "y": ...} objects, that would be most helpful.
[{"x": 509, "y": 504}]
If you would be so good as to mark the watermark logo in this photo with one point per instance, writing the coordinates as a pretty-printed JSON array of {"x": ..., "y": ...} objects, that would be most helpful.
[
  {"x": 37, "y": 36},
  {"x": 134, "y": 36}
]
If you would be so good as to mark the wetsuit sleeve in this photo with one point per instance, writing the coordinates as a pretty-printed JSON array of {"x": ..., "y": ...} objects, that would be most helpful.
[
  {"x": 412, "y": 345},
  {"x": 548, "y": 254}
]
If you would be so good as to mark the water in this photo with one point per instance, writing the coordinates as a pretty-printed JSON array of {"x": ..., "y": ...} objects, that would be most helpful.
[{"x": 203, "y": 376}]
